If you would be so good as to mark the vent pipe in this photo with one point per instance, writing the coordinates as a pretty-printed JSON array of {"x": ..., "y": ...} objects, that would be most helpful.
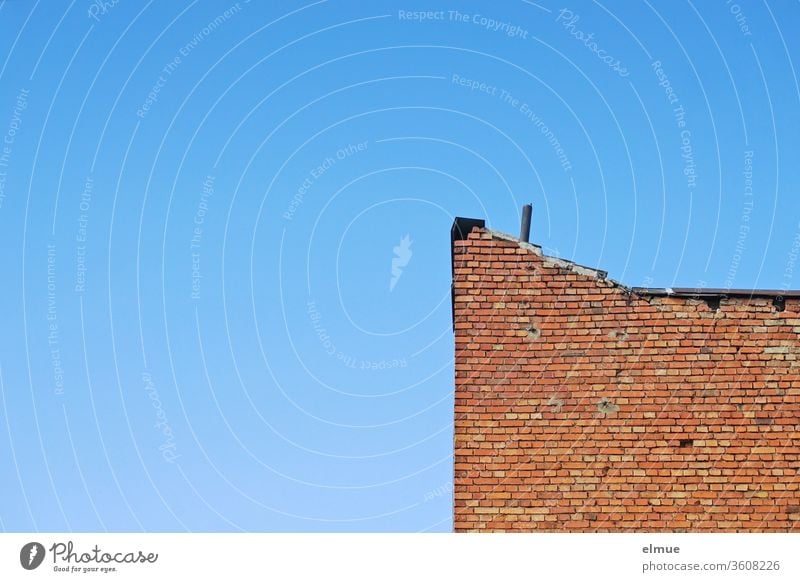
[{"x": 525, "y": 230}]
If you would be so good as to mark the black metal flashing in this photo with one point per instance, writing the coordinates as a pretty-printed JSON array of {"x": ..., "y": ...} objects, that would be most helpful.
[
  {"x": 712, "y": 292},
  {"x": 463, "y": 226}
]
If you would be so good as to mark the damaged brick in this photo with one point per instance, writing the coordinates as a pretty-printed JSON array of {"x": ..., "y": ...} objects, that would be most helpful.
[
  {"x": 618, "y": 334},
  {"x": 605, "y": 406},
  {"x": 556, "y": 403}
]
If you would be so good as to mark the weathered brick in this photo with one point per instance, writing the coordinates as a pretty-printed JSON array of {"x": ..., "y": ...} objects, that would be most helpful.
[{"x": 705, "y": 435}]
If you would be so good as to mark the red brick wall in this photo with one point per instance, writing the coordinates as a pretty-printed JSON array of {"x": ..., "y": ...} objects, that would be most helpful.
[{"x": 582, "y": 407}]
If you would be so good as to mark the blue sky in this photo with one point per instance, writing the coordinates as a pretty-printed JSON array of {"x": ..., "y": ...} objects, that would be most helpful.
[{"x": 225, "y": 229}]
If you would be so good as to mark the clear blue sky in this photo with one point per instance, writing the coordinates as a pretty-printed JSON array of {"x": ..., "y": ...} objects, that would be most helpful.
[{"x": 225, "y": 229}]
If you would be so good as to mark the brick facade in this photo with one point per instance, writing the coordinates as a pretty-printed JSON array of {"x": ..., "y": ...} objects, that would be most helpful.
[{"x": 581, "y": 405}]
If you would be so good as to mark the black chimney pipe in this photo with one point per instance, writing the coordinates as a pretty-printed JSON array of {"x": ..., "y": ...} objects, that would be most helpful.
[{"x": 525, "y": 231}]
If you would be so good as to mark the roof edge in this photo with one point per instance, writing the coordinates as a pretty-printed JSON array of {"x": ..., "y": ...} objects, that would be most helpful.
[{"x": 463, "y": 226}]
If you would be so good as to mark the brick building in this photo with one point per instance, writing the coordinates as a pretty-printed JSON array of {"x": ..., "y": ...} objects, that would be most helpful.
[{"x": 584, "y": 405}]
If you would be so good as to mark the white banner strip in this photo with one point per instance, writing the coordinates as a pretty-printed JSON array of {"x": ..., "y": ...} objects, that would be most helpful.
[{"x": 372, "y": 557}]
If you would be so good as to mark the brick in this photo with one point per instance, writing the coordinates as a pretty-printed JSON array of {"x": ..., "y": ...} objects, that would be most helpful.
[{"x": 539, "y": 343}]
